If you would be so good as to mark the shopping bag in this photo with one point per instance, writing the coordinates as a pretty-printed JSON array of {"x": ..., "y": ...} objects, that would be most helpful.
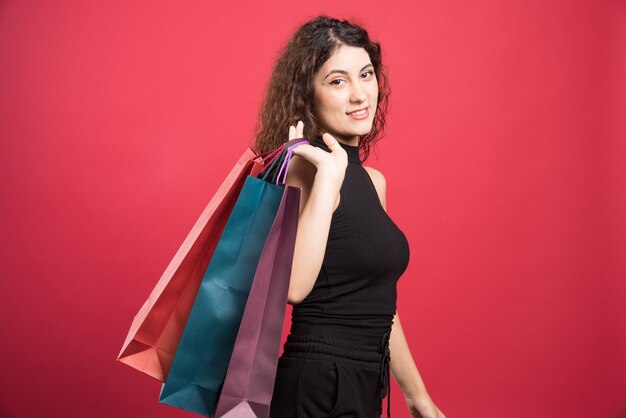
[
  {"x": 157, "y": 328},
  {"x": 249, "y": 382},
  {"x": 204, "y": 351}
]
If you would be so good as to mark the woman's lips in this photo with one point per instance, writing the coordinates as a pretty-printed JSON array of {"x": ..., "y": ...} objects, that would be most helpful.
[{"x": 361, "y": 114}]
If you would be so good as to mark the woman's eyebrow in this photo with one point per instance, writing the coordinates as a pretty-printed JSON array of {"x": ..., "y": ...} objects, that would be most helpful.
[{"x": 345, "y": 72}]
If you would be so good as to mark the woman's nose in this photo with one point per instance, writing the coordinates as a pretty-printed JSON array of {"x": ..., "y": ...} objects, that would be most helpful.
[{"x": 359, "y": 94}]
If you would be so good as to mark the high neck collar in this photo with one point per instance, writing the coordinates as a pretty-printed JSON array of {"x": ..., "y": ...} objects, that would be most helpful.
[{"x": 351, "y": 150}]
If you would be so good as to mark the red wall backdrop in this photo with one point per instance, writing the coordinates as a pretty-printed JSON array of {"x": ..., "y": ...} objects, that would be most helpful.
[{"x": 504, "y": 158}]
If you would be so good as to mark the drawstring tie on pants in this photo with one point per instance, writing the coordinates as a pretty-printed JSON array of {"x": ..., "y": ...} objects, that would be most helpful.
[{"x": 384, "y": 382}]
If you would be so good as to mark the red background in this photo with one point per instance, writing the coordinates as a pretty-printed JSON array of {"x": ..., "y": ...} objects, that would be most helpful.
[{"x": 504, "y": 158}]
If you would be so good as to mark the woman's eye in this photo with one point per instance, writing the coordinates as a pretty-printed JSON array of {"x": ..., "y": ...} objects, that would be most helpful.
[{"x": 371, "y": 73}]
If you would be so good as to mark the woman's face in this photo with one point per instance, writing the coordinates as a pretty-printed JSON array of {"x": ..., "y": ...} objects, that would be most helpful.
[{"x": 345, "y": 83}]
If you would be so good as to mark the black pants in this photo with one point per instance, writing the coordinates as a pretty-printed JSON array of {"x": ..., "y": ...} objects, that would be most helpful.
[{"x": 323, "y": 377}]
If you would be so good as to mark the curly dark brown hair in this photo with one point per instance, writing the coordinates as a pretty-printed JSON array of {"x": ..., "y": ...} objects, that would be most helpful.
[{"x": 290, "y": 92}]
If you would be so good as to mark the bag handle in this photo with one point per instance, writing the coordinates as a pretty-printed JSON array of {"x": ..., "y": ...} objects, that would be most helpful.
[
  {"x": 270, "y": 154},
  {"x": 280, "y": 156}
]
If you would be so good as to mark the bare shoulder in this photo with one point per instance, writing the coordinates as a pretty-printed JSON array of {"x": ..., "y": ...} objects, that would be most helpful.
[
  {"x": 380, "y": 183},
  {"x": 377, "y": 177}
]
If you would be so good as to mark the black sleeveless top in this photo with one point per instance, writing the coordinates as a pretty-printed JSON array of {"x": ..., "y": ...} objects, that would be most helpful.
[{"x": 366, "y": 253}]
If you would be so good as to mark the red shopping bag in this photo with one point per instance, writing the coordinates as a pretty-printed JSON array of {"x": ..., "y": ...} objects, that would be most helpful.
[{"x": 158, "y": 326}]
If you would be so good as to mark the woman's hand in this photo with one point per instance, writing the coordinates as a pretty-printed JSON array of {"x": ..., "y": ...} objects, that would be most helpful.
[
  {"x": 423, "y": 407},
  {"x": 332, "y": 164}
]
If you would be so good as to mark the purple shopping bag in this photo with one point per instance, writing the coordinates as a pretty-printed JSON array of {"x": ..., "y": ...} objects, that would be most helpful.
[{"x": 248, "y": 386}]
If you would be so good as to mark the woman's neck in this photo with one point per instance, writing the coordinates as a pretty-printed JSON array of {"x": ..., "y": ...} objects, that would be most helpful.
[{"x": 352, "y": 140}]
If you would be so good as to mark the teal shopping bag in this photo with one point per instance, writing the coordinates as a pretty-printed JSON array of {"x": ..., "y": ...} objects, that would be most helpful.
[{"x": 203, "y": 354}]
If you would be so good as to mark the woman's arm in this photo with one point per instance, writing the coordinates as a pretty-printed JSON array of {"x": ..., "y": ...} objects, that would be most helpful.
[
  {"x": 317, "y": 201},
  {"x": 403, "y": 367},
  {"x": 319, "y": 174},
  {"x": 408, "y": 377}
]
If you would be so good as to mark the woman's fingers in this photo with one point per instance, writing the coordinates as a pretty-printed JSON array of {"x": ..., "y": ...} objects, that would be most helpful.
[
  {"x": 331, "y": 142},
  {"x": 335, "y": 148},
  {"x": 300, "y": 129},
  {"x": 305, "y": 150},
  {"x": 314, "y": 155},
  {"x": 292, "y": 132},
  {"x": 296, "y": 131}
]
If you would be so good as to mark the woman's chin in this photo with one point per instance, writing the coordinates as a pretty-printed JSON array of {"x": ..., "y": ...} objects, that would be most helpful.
[{"x": 363, "y": 130}]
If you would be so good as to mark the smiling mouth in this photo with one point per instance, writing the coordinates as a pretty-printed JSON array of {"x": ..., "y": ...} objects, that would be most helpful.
[
  {"x": 359, "y": 112},
  {"x": 360, "y": 115}
]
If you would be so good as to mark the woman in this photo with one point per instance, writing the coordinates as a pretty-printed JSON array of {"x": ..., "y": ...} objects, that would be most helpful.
[{"x": 345, "y": 332}]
